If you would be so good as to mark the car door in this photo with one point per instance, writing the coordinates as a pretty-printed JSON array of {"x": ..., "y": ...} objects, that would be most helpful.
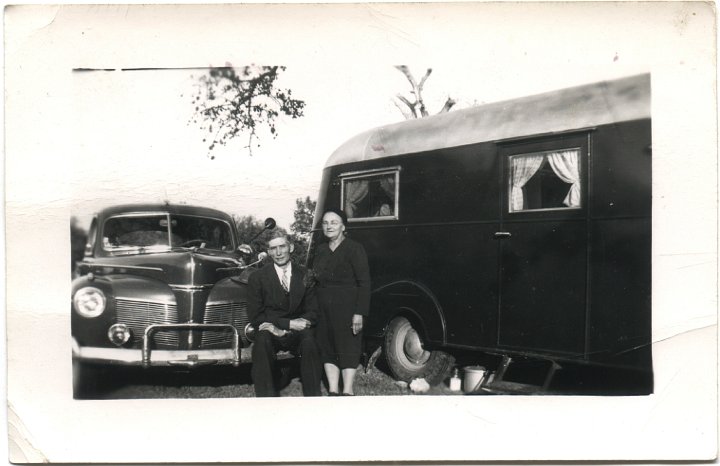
[{"x": 543, "y": 245}]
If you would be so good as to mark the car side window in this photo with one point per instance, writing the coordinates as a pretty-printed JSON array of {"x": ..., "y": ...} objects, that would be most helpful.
[
  {"x": 372, "y": 195},
  {"x": 546, "y": 180}
]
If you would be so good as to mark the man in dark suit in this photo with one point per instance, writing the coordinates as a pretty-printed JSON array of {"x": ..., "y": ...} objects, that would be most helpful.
[{"x": 284, "y": 311}]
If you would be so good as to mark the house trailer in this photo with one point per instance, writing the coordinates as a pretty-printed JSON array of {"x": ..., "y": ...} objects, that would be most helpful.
[{"x": 515, "y": 231}]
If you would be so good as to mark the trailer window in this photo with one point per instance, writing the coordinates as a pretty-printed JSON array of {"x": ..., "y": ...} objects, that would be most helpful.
[
  {"x": 371, "y": 197},
  {"x": 545, "y": 180}
]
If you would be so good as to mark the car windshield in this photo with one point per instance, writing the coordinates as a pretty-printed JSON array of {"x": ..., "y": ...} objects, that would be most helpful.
[{"x": 144, "y": 233}]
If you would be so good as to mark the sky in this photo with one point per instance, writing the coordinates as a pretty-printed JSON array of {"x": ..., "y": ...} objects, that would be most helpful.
[
  {"x": 136, "y": 142},
  {"x": 125, "y": 135}
]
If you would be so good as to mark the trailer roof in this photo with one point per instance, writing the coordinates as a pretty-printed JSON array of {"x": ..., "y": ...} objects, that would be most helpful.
[{"x": 584, "y": 106}]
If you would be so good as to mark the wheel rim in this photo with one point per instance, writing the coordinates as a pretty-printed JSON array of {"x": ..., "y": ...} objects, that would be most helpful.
[{"x": 413, "y": 350}]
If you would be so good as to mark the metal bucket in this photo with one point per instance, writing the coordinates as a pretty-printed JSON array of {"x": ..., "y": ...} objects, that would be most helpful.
[{"x": 474, "y": 376}]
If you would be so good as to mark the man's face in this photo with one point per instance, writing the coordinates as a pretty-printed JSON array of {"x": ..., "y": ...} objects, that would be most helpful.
[{"x": 279, "y": 250}]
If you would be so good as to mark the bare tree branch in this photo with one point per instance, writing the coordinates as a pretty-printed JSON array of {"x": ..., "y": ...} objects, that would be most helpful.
[
  {"x": 448, "y": 105},
  {"x": 406, "y": 114},
  {"x": 423, "y": 110},
  {"x": 418, "y": 108},
  {"x": 418, "y": 93},
  {"x": 409, "y": 104},
  {"x": 424, "y": 78},
  {"x": 406, "y": 71}
]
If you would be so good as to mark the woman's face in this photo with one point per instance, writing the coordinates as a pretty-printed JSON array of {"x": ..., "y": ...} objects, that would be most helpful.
[{"x": 332, "y": 225}]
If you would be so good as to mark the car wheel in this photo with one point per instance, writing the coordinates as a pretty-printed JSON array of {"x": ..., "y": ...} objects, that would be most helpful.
[{"x": 408, "y": 359}]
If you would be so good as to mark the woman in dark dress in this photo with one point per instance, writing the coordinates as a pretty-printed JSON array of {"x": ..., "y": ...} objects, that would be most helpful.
[{"x": 341, "y": 270}]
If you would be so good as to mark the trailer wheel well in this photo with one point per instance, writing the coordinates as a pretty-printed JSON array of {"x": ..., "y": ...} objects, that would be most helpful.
[{"x": 412, "y": 300}]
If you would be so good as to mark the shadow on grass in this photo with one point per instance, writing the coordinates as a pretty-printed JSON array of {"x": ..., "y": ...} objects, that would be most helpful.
[{"x": 162, "y": 382}]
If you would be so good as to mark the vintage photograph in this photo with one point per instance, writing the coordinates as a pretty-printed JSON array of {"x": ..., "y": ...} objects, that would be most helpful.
[
  {"x": 501, "y": 248},
  {"x": 485, "y": 225}
]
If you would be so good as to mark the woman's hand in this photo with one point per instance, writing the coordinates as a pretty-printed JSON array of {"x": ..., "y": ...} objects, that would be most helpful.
[{"x": 357, "y": 323}]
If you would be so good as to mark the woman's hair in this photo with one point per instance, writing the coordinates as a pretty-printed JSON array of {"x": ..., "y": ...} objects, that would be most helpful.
[{"x": 337, "y": 212}]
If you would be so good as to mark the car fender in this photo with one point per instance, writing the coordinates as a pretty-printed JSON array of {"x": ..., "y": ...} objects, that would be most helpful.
[
  {"x": 93, "y": 331},
  {"x": 411, "y": 299},
  {"x": 230, "y": 289},
  {"x": 141, "y": 287}
]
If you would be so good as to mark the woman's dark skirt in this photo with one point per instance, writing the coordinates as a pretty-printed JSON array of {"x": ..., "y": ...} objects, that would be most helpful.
[{"x": 337, "y": 343}]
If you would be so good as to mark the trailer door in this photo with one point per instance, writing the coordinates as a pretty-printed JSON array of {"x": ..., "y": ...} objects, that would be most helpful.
[{"x": 543, "y": 246}]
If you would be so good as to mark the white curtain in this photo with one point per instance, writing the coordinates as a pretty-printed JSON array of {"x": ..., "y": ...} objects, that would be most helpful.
[
  {"x": 566, "y": 165},
  {"x": 523, "y": 168},
  {"x": 355, "y": 191}
]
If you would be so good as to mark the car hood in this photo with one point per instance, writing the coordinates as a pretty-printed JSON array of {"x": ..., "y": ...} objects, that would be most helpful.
[{"x": 187, "y": 268}]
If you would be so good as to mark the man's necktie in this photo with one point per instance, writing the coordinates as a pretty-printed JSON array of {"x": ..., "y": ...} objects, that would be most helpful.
[{"x": 286, "y": 280}]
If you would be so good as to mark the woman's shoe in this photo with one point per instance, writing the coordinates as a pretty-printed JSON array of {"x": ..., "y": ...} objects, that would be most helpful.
[
  {"x": 333, "y": 394},
  {"x": 348, "y": 394}
]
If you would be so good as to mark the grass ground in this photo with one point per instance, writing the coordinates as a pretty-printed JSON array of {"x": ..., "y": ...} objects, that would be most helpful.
[
  {"x": 236, "y": 382},
  {"x": 228, "y": 382}
]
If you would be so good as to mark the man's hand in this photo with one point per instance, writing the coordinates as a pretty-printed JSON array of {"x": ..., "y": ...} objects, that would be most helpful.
[
  {"x": 357, "y": 323},
  {"x": 299, "y": 324},
  {"x": 278, "y": 332}
]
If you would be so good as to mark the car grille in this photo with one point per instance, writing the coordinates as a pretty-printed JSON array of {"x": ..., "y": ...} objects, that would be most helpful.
[
  {"x": 138, "y": 315},
  {"x": 224, "y": 313}
]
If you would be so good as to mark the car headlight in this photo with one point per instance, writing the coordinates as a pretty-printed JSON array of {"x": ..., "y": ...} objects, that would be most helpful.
[{"x": 89, "y": 301}]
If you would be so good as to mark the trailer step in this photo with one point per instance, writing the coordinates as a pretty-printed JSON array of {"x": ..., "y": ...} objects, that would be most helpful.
[
  {"x": 511, "y": 388},
  {"x": 498, "y": 385}
]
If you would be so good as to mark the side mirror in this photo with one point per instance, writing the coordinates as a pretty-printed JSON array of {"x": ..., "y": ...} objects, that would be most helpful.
[
  {"x": 245, "y": 249},
  {"x": 269, "y": 225}
]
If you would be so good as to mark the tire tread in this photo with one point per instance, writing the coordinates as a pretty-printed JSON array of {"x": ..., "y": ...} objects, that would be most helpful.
[{"x": 434, "y": 371}]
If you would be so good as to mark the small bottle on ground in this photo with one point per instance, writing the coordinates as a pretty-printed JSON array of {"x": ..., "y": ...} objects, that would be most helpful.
[{"x": 455, "y": 382}]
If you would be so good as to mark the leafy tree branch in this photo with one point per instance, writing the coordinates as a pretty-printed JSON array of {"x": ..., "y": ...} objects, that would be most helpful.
[{"x": 230, "y": 102}]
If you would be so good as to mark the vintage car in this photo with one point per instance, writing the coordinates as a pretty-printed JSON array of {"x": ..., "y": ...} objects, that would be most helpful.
[{"x": 160, "y": 285}]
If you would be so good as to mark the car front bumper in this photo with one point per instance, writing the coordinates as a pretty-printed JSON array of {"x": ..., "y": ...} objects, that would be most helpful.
[
  {"x": 158, "y": 357},
  {"x": 134, "y": 357}
]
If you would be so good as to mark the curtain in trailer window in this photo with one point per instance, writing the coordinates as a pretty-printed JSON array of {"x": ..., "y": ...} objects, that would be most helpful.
[
  {"x": 355, "y": 193},
  {"x": 534, "y": 186},
  {"x": 566, "y": 166},
  {"x": 523, "y": 168},
  {"x": 370, "y": 196}
]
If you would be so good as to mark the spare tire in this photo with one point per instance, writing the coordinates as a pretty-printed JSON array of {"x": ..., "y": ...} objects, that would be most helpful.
[{"x": 408, "y": 359}]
